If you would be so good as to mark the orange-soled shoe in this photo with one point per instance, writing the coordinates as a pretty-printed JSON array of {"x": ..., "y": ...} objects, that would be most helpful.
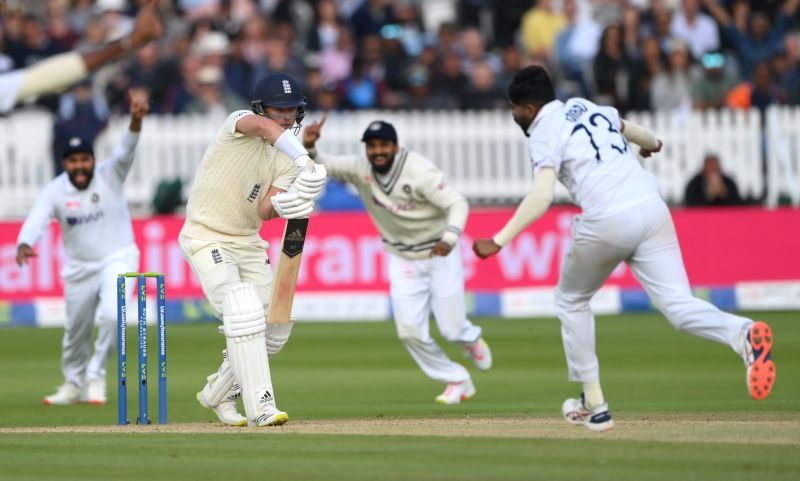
[{"x": 758, "y": 360}]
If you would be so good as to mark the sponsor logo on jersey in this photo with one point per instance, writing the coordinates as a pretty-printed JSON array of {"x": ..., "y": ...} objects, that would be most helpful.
[
  {"x": 254, "y": 193},
  {"x": 72, "y": 204},
  {"x": 216, "y": 256},
  {"x": 84, "y": 219},
  {"x": 576, "y": 111}
]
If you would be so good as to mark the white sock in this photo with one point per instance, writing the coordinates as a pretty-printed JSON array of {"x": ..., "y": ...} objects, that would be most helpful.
[{"x": 593, "y": 394}]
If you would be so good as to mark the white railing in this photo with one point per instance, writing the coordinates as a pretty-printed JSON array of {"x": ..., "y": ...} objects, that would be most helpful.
[
  {"x": 783, "y": 155},
  {"x": 483, "y": 153}
]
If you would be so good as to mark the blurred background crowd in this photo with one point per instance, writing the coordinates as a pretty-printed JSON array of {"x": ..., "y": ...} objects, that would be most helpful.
[
  {"x": 638, "y": 55},
  {"x": 412, "y": 54}
]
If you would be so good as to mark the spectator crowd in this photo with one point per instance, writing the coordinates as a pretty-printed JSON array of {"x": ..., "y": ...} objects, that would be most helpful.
[
  {"x": 662, "y": 55},
  {"x": 638, "y": 55}
]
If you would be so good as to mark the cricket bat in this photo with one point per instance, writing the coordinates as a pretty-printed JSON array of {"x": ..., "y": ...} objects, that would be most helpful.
[{"x": 285, "y": 281}]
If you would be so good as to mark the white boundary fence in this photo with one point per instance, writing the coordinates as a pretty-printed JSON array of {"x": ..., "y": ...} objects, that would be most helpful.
[{"x": 483, "y": 153}]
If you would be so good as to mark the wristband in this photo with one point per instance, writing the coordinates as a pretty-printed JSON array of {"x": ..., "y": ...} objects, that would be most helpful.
[{"x": 289, "y": 145}]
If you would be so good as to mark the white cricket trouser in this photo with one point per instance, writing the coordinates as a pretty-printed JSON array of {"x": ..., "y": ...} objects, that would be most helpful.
[
  {"x": 82, "y": 296},
  {"x": 221, "y": 265},
  {"x": 645, "y": 238},
  {"x": 419, "y": 287}
]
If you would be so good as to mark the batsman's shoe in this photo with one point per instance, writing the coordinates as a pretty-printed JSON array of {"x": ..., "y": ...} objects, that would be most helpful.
[
  {"x": 96, "y": 392},
  {"x": 455, "y": 392},
  {"x": 226, "y": 411},
  {"x": 271, "y": 416},
  {"x": 480, "y": 354},
  {"x": 597, "y": 419},
  {"x": 758, "y": 360},
  {"x": 67, "y": 393}
]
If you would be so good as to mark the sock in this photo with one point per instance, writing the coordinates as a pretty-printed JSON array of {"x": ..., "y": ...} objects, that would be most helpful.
[{"x": 593, "y": 394}]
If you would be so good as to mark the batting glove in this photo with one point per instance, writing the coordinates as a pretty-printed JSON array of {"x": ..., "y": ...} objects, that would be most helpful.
[
  {"x": 290, "y": 205},
  {"x": 277, "y": 335},
  {"x": 309, "y": 184}
]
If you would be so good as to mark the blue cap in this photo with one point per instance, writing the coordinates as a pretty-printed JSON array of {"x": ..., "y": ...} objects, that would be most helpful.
[
  {"x": 380, "y": 130},
  {"x": 77, "y": 145}
]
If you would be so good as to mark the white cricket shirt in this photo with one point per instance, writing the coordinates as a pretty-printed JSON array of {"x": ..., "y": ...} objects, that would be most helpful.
[
  {"x": 411, "y": 205},
  {"x": 235, "y": 174},
  {"x": 95, "y": 222},
  {"x": 583, "y": 143}
]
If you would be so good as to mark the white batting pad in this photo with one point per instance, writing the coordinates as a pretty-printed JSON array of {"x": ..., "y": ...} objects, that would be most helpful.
[
  {"x": 243, "y": 323},
  {"x": 221, "y": 385}
]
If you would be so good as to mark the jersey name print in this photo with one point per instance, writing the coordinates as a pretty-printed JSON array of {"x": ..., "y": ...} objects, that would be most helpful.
[{"x": 583, "y": 142}]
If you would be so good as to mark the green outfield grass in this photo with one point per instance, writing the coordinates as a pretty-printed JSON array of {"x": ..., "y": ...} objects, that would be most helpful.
[{"x": 654, "y": 378}]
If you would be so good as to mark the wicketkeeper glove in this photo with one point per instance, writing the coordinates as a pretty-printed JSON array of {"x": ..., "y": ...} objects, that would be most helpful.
[
  {"x": 277, "y": 335},
  {"x": 290, "y": 205},
  {"x": 309, "y": 184}
]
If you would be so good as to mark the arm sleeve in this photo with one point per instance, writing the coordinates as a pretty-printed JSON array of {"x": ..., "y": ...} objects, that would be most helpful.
[
  {"x": 53, "y": 74},
  {"x": 38, "y": 219},
  {"x": 639, "y": 135},
  {"x": 344, "y": 167},
  {"x": 10, "y": 83},
  {"x": 544, "y": 148},
  {"x": 121, "y": 160},
  {"x": 228, "y": 130},
  {"x": 531, "y": 208},
  {"x": 442, "y": 195}
]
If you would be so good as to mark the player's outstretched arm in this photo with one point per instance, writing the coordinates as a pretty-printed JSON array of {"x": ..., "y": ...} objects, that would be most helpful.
[
  {"x": 139, "y": 106},
  {"x": 60, "y": 71},
  {"x": 272, "y": 132},
  {"x": 533, "y": 206},
  {"x": 642, "y": 137},
  {"x": 312, "y": 133},
  {"x": 119, "y": 164}
]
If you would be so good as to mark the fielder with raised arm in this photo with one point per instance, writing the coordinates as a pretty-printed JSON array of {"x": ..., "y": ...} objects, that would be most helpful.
[
  {"x": 88, "y": 202},
  {"x": 243, "y": 180},
  {"x": 623, "y": 219},
  {"x": 59, "y": 72},
  {"x": 420, "y": 218}
]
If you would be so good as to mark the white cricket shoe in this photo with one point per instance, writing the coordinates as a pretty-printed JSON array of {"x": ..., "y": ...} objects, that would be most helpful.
[
  {"x": 66, "y": 394},
  {"x": 271, "y": 416},
  {"x": 226, "y": 411},
  {"x": 597, "y": 419},
  {"x": 480, "y": 354},
  {"x": 455, "y": 392},
  {"x": 96, "y": 392}
]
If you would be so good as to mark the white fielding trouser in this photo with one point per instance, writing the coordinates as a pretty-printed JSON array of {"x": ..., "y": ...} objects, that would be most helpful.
[
  {"x": 645, "y": 238},
  {"x": 419, "y": 287},
  {"x": 82, "y": 295}
]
